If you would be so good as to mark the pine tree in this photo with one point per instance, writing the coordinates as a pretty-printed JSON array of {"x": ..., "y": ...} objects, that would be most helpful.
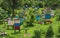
[{"x": 49, "y": 33}]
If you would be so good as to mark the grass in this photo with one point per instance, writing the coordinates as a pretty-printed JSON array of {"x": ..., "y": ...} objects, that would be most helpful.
[
  {"x": 31, "y": 30},
  {"x": 42, "y": 28}
]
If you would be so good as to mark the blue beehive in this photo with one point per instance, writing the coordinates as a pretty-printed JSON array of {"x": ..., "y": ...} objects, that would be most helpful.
[
  {"x": 47, "y": 16},
  {"x": 37, "y": 17}
]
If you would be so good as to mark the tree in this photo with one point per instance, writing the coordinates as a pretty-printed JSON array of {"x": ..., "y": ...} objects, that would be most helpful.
[
  {"x": 3, "y": 15},
  {"x": 30, "y": 17},
  {"x": 10, "y": 5},
  {"x": 49, "y": 33},
  {"x": 1, "y": 2}
]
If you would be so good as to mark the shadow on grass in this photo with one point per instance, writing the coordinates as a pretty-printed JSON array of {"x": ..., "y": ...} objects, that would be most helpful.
[
  {"x": 6, "y": 36},
  {"x": 18, "y": 32},
  {"x": 15, "y": 33}
]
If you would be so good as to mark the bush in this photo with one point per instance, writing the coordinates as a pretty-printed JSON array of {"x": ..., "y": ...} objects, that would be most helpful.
[{"x": 37, "y": 34}]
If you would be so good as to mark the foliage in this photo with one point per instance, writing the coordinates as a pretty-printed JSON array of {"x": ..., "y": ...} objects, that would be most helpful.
[{"x": 3, "y": 13}]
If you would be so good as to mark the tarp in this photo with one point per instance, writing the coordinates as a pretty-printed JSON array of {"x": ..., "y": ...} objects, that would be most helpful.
[{"x": 21, "y": 21}]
